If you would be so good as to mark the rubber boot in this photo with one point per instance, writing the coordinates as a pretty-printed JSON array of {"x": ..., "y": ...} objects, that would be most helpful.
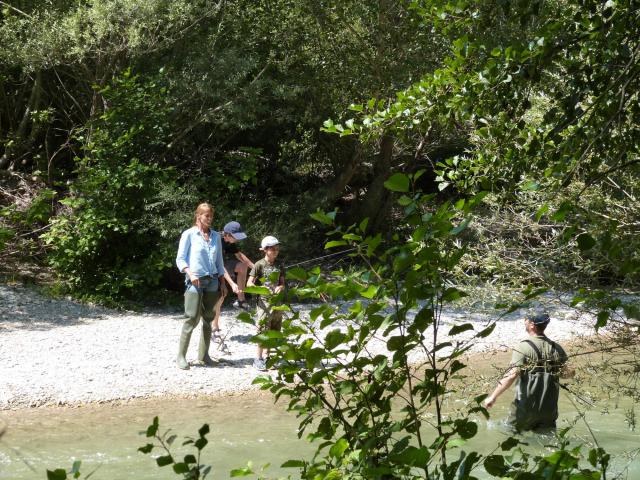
[
  {"x": 205, "y": 341},
  {"x": 185, "y": 336},
  {"x": 192, "y": 312},
  {"x": 209, "y": 301}
]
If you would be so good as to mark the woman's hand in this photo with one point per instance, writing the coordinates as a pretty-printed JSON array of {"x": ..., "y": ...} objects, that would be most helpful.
[{"x": 235, "y": 288}]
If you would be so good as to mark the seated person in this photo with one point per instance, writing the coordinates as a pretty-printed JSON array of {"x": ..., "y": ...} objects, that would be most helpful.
[{"x": 236, "y": 265}]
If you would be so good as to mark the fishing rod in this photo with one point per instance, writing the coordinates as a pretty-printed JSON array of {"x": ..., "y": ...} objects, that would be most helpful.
[
  {"x": 577, "y": 396},
  {"x": 322, "y": 257}
]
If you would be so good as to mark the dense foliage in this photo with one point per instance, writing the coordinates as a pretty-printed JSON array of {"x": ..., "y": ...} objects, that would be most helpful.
[{"x": 222, "y": 101}]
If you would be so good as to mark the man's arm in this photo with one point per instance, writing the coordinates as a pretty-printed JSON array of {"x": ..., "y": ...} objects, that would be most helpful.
[{"x": 503, "y": 384}]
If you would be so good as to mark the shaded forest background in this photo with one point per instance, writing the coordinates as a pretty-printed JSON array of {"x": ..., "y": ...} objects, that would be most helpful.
[{"x": 118, "y": 116}]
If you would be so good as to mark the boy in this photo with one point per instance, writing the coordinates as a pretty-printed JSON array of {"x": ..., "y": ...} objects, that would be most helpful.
[{"x": 268, "y": 273}]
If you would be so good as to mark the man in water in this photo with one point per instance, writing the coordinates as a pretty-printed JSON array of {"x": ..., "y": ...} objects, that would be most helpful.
[{"x": 538, "y": 364}]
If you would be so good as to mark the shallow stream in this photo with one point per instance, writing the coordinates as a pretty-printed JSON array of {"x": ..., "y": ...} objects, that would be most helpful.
[{"x": 244, "y": 427}]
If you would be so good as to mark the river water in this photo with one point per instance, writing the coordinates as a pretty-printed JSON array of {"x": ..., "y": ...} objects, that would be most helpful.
[{"x": 245, "y": 427}]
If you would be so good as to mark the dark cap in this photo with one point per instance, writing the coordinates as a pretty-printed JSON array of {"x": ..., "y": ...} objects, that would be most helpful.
[
  {"x": 235, "y": 230},
  {"x": 538, "y": 318}
]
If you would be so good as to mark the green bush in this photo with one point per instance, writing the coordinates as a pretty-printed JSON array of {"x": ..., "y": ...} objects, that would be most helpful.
[{"x": 106, "y": 245}]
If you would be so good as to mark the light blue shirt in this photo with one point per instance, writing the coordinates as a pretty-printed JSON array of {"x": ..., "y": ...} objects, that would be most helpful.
[{"x": 202, "y": 257}]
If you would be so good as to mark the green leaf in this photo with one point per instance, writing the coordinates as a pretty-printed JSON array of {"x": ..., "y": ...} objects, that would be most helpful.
[
  {"x": 153, "y": 428},
  {"x": 631, "y": 311},
  {"x": 456, "y": 329},
  {"x": 258, "y": 290},
  {"x": 201, "y": 443},
  {"x": 541, "y": 212},
  {"x": 181, "y": 468},
  {"x": 585, "y": 242},
  {"x": 560, "y": 214},
  {"x": 338, "y": 448},
  {"x": 297, "y": 273},
  {"x": 466, "y": 428},
  {"x": 333, "y": 339},
  {"x": 452, "y": 293},
  {"x": 370, "y": 292},
  {"x": 509, "y": 443},
  {"x": 147, "y": 448},
  {"x": 405, "y": 201},
  {"x": 602, "y": 318},
  {"x": 395, "y": 343},
  {"x": 204, "y": 430},
  {"x": 398, "y": 182},
  {"x": 456, "y": 442},
  {"x": 245, "y": 317},
  {"x": 293, "y": 464},
  {"x": 242, "y": 472},
  {"x": 164, "y": 460},
  {"x": 57, "y": 474},
  {"x": 463, "y": 225},
  {"x": 485, "y": 332},
  {"x": 412, "y": 456},
  {"x": 322, "y": 217},
  {"x": 495, "y": 465},
  {"x": 335, "y": 243}
]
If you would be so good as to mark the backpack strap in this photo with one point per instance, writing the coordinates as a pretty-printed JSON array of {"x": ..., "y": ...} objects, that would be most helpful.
[
  {"x": 535, "y": 349},
  {"x": 539, "y": 360}
]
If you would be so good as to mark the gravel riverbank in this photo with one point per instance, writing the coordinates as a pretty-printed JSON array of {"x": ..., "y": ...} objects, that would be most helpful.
[{"x": 58, "y": 352}]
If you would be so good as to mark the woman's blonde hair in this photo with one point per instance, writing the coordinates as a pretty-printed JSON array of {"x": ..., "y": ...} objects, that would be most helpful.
[{"x": 204, "y": 206}]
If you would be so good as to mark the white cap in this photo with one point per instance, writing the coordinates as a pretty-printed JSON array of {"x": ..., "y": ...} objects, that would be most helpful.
[{"x": 269, "y": 241}]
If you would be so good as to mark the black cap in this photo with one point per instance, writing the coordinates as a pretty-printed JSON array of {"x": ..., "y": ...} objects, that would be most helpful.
[
  {"x": 538, "y": 318},
  {"x": 235, "y": 230}
]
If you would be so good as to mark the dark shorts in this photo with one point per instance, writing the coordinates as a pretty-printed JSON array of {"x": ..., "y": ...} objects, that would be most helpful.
[{"x": 230, "y": 266}]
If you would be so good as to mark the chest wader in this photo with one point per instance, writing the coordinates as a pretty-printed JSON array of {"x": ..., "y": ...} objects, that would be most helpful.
[
  {"x": 198, "y": 302},
  {"x": 536, "y": 403}
]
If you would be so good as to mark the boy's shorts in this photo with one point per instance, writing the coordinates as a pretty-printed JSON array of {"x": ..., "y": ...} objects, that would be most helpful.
[{"x": 268, "y": 320}]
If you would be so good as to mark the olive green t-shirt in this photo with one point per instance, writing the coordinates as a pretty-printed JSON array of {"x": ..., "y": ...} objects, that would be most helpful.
[
  {"x": 525, "y": 356},
  {"x": 267, "y": 274}
]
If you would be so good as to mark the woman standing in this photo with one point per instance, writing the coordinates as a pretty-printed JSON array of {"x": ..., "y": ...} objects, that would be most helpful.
[{"x": 200, "y": 259}]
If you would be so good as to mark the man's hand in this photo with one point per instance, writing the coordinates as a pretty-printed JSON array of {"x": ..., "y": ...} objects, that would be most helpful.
[
  {"x": 489, "y": 401},
  {"x": 567, "y": 372},
  {"x": 223, "y": 289}
]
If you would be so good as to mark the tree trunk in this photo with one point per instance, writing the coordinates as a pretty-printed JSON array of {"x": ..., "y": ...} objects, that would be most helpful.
[
  {"x": 376, "y": 203},
  {"x": 20, "y": 144}
]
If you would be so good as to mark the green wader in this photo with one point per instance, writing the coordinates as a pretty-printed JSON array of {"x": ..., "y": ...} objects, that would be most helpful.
[
  {"x": 197, "y": 304},
  {"x": 536, "y": 403}
]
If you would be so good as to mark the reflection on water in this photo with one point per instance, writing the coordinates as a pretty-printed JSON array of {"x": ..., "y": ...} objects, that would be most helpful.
[{"x": 243, "y": 428}]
